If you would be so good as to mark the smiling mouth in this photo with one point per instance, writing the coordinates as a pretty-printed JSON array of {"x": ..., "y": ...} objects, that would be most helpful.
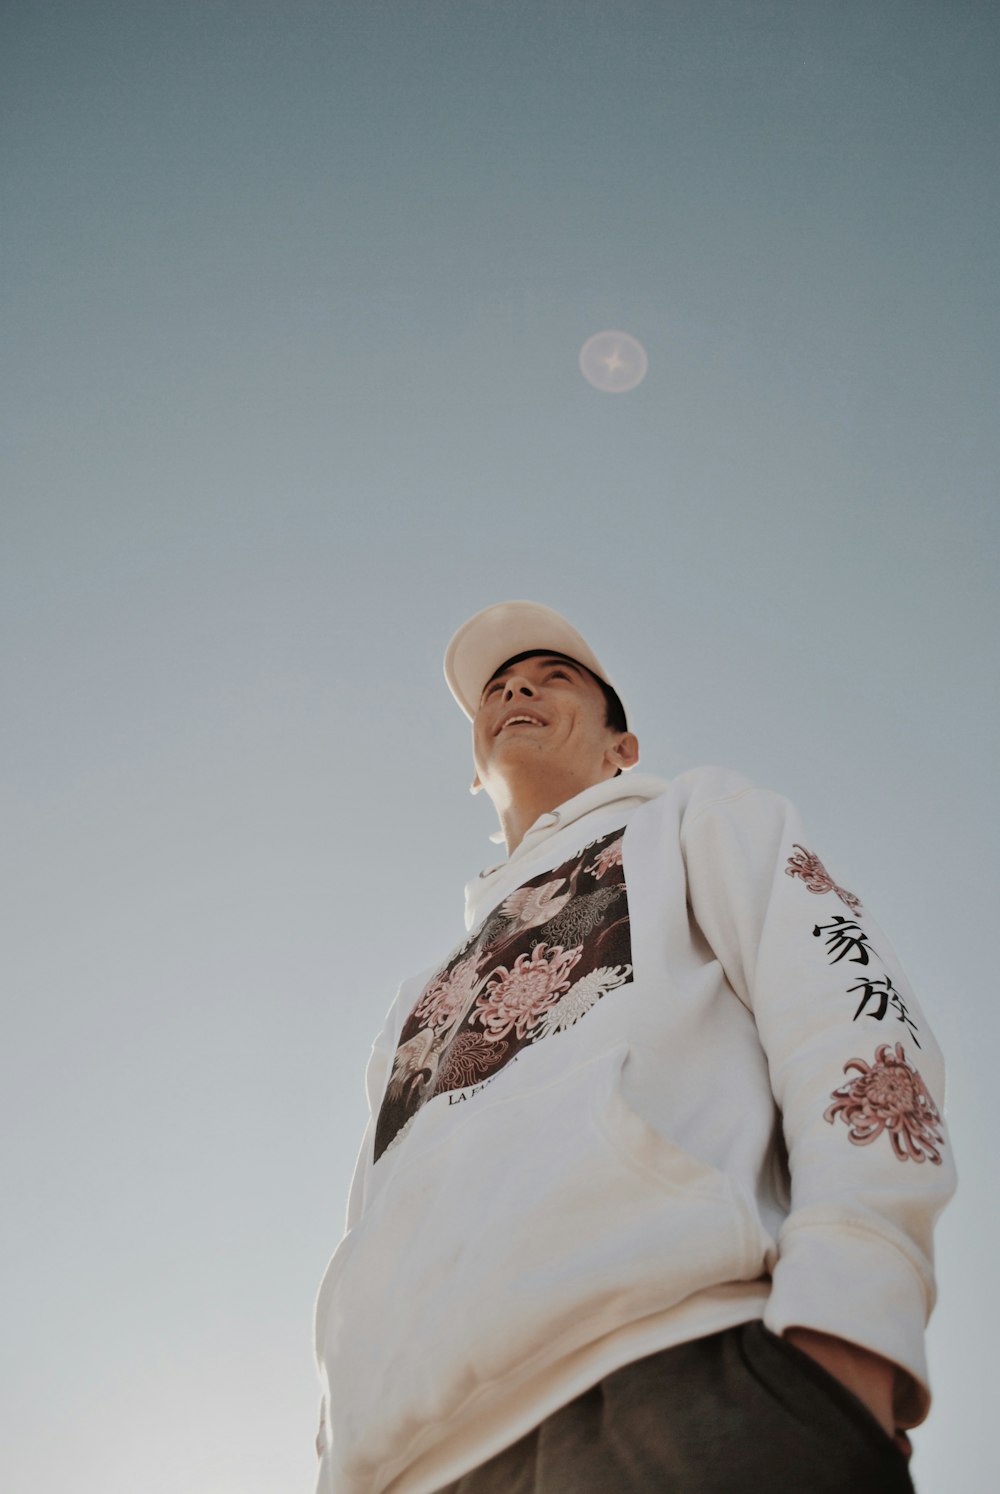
[{"x": 519, "y": 721}]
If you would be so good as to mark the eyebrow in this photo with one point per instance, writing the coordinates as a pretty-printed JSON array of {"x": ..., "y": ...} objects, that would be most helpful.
[{"x": 545, "y": 660}]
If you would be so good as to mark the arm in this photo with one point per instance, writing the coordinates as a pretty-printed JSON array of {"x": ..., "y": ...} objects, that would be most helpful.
[
  {"x": 379, "y": 1063},
  {"x": 858, "y": 1079}
]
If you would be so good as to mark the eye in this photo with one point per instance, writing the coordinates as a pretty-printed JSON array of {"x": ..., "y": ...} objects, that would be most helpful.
[
  {"x": 491, "y": 689},
  {"x": 557, "y": 674}
]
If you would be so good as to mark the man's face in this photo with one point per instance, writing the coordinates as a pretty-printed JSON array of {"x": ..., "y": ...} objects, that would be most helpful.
[{"x": 543, "y": 711}]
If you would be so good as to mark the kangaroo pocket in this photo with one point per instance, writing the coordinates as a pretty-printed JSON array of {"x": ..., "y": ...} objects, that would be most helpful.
[{"x": 512, "y": 1231}]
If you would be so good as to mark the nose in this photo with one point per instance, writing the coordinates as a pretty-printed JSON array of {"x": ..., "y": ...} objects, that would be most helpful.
[{"x": 515, "y": 685}]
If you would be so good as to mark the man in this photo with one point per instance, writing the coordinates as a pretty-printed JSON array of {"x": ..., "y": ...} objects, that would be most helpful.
[{"x": 646, "y": 1197}]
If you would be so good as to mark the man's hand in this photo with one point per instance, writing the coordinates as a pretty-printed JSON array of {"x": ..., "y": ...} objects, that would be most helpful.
[{"x": 868, "y": 1375}]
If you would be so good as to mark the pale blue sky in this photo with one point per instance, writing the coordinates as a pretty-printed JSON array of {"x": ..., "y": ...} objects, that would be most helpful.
[{"x": 293, "y": 298}]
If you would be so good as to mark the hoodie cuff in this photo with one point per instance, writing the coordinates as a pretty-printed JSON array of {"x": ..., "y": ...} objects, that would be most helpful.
[{"x": 855, "y": 1285}]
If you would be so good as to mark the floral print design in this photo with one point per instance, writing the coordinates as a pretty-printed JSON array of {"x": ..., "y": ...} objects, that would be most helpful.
[
  {"x": 584, "y": 915},
  {"x": 889, "y": 1095},
  {"x": 537, "y": 964},
  {"x": 609, "y": 857},
  {"x": 581, "y": 997},
  {"x": 447, "y": 997},
  {"x": 517, "y": 997},
  {"x": 470, "y": 1058},
  {"x": 808, "y": 866}
]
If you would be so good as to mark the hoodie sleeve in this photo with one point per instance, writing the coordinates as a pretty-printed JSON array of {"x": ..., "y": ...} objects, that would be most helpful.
[
  {"x": 376, "y": 1074},
  {"x": 855, "y": 1071}
]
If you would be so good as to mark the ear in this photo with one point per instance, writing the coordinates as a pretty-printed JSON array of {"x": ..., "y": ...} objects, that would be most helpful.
[{"x": 625, "y": 752}]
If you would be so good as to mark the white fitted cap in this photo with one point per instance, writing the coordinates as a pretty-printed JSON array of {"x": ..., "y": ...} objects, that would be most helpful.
[{"x": 502, "y": 632}]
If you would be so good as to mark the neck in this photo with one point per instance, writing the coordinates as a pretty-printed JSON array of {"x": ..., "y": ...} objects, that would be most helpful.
[{"x": 521, "y": 807}]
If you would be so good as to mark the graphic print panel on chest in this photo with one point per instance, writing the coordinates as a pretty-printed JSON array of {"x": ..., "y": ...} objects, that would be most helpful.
[{"x": 538, "y": 963}]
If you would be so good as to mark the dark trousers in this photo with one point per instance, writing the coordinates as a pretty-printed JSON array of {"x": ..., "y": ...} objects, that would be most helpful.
[{"x": 740, "y": 1412}]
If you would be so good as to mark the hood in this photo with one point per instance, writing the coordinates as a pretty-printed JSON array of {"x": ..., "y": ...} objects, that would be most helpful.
[{"x": 625, "y": 793}]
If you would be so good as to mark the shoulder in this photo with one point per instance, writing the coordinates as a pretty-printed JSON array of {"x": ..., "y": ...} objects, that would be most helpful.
[
  {"x": 713, "y": 783},
  {"x": 712, "y": 792},
  {"x": 699, "y": 787}
]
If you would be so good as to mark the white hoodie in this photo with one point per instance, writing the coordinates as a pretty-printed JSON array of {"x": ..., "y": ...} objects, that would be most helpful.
[{"x": 674, "y": 1080}]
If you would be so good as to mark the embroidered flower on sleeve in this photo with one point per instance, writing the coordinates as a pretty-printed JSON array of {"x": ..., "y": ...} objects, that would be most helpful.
[
  {"x": 516, "y": 998},
  {"x": 807, "y": 865},
  {"x": 889, "y": 1095}
]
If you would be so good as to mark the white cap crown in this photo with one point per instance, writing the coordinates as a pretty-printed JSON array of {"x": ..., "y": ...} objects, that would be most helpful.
[{"x": 503, "y": 631}]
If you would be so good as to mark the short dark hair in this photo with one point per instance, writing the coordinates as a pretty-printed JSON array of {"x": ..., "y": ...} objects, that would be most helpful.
[{"x": 614, "y": 712}]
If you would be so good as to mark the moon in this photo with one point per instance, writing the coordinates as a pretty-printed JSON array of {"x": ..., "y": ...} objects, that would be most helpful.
[{"x": 613, "y": 362}]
